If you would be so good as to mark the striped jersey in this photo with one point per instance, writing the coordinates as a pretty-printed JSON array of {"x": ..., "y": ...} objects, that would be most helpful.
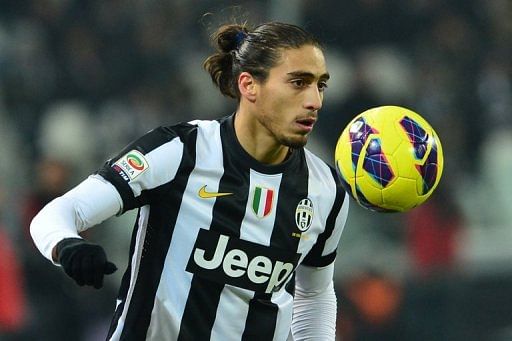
[{"x": 218, "y": 235}]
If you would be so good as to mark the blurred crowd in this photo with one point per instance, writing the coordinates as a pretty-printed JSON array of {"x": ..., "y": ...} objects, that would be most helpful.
[{"x": 80, "y": 79}]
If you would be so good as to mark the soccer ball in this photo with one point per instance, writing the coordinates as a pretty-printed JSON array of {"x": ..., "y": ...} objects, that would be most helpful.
[{"x": 389, "y": 159}]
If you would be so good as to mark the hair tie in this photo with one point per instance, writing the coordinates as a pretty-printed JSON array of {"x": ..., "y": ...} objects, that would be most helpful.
[{"x": 239, "y": 38}]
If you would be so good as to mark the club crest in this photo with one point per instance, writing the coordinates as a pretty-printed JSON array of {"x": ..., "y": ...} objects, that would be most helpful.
[{"x": 304, "y": 214}]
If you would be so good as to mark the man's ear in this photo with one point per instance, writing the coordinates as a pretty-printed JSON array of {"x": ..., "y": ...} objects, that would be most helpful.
[{"x": 247, "y": 86}]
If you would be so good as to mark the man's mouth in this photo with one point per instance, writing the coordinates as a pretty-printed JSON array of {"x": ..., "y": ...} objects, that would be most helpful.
[{"x": 306, "y": 124}]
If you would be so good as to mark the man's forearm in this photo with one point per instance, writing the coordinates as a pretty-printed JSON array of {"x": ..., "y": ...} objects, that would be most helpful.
[{"x": 314, "y": 315}]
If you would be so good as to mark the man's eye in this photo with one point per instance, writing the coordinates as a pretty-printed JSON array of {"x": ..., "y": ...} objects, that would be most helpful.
[
  {"x": 322, "y": 86},
  {"x": 299, "y": 83}
]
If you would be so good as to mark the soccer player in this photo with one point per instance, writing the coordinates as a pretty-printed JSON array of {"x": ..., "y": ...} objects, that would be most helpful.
[{"x": 238, "y": 224}]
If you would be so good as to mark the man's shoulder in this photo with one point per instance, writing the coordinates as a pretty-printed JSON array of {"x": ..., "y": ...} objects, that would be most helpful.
[
  {"x": 313, "y": 158},
  {"x": 185, "y": 127},
  {"x": 189, "y": 131},
  {"x": 194, "y": 124}
]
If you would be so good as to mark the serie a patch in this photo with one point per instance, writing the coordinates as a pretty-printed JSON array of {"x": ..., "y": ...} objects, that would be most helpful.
[{"x": 131, "y": 165}]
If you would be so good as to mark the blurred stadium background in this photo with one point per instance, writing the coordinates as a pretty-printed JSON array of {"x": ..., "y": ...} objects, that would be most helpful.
[{"x": 79, "y": 79}]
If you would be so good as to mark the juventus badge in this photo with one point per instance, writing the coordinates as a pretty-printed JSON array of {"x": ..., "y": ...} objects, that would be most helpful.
[{"x": 304, "y": 214}]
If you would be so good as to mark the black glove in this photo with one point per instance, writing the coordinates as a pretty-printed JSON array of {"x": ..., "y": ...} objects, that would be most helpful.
[{"x": 85, "y": 262}]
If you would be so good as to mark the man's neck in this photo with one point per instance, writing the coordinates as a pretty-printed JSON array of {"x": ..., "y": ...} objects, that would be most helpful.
[{"x": 256, "y": 140}]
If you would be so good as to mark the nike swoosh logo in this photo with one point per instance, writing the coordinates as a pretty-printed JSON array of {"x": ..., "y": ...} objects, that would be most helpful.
[{"x": 206, "y": 195}]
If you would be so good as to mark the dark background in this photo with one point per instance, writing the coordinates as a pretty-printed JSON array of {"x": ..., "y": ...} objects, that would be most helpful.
[{"x": 80, "y": 79}]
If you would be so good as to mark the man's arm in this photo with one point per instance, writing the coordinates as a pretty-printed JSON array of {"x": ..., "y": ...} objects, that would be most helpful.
[
  {"x": 55, "y": 230},
  {"x": 314, "y": 307}
]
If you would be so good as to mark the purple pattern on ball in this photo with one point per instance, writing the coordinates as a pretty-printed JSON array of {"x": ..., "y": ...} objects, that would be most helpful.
[
  {"x": 417, "y": 136},
  {"x": 428, "y": 170},
  {"x": 419, "y": 139},
  {"x": 358, "y": 139},
  {"x": 376, "y": 164}
]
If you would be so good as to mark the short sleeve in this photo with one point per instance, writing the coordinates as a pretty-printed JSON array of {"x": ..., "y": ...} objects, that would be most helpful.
[
  {"x": 323, "y": 252},
  {"x": 143, "y": 165}
]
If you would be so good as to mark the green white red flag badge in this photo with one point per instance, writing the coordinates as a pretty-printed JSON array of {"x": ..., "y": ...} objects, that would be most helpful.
[{"x": 262, "y": 201}]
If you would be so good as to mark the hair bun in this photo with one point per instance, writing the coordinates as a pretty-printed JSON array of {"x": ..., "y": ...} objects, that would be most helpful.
[
  {"x": 239, "y": 38},
  {"x": 231, "y": 38}
]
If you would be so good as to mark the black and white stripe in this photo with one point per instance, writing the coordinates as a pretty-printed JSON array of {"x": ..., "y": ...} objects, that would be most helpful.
[{"x": 161, "y": 296}]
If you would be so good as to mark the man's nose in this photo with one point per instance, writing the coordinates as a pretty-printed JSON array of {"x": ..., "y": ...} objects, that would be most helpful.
[{"x": 314, "y": 99}]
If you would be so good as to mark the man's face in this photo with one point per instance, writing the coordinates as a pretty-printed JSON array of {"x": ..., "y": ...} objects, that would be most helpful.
[{"x": 289, "y": 100}]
